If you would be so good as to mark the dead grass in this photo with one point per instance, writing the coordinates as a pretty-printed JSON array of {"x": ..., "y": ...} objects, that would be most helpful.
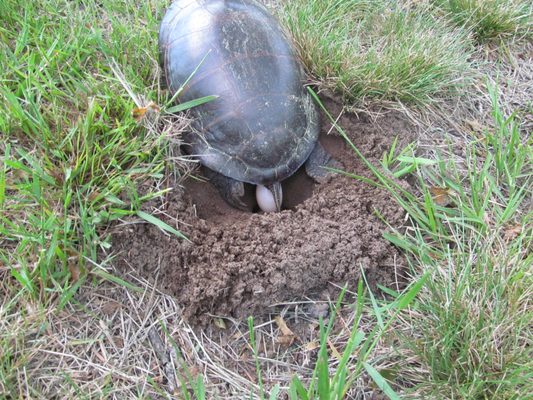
[{"x": 98, "y": 346}]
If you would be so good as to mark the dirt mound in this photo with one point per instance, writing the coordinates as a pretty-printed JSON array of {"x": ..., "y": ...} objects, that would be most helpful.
[{"x": 239, "y": 263}]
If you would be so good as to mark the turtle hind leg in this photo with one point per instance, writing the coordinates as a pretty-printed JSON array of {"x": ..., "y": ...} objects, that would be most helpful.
[
  {"x": 231, "y": 190},
  {"x": 318, "y": 163}
]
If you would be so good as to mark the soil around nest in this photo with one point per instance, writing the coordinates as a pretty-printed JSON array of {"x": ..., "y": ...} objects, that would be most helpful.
[{"x": 240, "y": 263}]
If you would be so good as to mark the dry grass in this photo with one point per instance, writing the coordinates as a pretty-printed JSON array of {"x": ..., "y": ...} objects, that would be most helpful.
[{"x": 98, "y": 346}]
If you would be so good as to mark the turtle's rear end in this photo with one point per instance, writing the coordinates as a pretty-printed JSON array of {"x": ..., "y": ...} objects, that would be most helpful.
[{"x": 264, "y": 124}]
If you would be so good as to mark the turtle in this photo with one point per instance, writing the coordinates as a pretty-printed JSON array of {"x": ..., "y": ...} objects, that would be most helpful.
[{"x": 263, "y": 124}]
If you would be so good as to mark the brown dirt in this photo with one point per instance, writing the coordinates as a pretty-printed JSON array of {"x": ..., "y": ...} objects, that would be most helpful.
[{"x": 239, "y": 263}]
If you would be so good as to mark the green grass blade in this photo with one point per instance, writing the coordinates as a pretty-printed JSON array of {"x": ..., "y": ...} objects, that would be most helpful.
[
  {"x": 251, "y": 332},
  {"x": 410, "y": 295},
  {"x": 112, "y": 278},
  {"x": 190, "y": 104},
  {"x": 67, "y": 295},
  {"x": 160, "y": 224},
  {"x": 178, "y": 92},
  {"x": 3, "y": 168},
  {"x": 199, "y": 388},
  {"x": 24, "y": 279},
  {"x": 381, "y": 382},
  {"x": 274, "y": 393},
  {"x": 323, "y": 384},
  {"x": 297, "y": 390},
  {"x": 36, "y": 167}
]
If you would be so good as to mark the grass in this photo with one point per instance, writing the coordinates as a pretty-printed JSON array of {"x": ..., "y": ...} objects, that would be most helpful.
[
  {"x": 379, "y": 50},
  {"x": 334, "y": 378},
  {"x": 470, "y": 326},
  {"x": 73, "y": 156},
  {"x": 76, "y": 157},
  {"x": 489, "y": 19},
  {"x": 358, "y": 350}
]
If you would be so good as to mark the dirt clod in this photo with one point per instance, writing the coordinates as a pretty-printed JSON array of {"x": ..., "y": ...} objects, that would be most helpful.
[{"x": 238, "y": 264}]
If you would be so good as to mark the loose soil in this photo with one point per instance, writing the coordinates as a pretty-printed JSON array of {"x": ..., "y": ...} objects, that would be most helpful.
[{"x": 240, "y": 263}]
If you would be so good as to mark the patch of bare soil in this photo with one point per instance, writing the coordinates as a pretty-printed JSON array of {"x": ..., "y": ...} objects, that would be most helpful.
[{"x": 239, "y": 263}]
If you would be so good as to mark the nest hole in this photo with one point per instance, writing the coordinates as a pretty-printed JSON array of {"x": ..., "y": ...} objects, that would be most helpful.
[
  {"x": 299, "y": 187},
  {"x": 209, "y": 204}
]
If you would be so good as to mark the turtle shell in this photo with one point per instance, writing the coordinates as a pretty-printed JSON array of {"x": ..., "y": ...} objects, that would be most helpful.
[{"x": 264, "y": 124}]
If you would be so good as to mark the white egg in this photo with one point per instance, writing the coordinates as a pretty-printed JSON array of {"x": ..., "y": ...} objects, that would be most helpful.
[{"x": 265, "y": 199}]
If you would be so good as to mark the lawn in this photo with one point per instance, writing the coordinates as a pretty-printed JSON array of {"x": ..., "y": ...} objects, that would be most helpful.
[{"x": 88, "y": 138}]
